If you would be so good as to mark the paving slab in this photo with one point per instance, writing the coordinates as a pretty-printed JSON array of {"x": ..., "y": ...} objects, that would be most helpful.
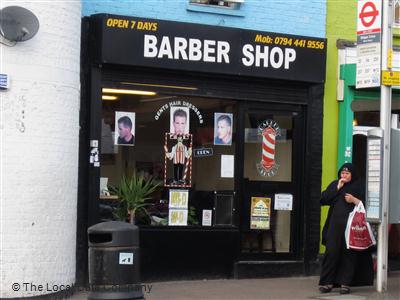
[{"x": 259, "y": 289}]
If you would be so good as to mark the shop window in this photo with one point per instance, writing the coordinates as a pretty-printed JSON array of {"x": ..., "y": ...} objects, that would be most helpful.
[
  {"x": 208, "y": 131},
  {"x": 280, "y": 156},
  {"x": 366, "y": 118},
  {"x": 232, "y": 4},
  {"x": 227, "y": 7}
]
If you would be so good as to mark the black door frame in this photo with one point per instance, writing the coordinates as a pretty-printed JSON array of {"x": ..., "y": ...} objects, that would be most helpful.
[{"x": 295, "y": 186}]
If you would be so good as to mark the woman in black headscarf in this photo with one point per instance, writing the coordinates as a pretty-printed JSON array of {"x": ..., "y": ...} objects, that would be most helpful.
[{"x": 341, "y": 266}]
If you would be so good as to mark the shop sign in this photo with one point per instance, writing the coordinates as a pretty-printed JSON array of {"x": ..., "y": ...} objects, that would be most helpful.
[
  {"x": 260, "y": 213},
  {"x": 202, "y": 152},
  {"x": 184, "y": 103},
  {"x": 142, "y": 42}
]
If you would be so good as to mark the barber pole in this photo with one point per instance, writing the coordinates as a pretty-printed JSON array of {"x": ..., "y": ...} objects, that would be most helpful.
[
  {"x": 188, "y": 160},
  {"x": 268, "y": 153},
  {"x": 269, "y": 130},
  {"x": 165, "y": 160}
]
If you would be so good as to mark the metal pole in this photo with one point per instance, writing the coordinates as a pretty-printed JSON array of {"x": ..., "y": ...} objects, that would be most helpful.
[{"x": 385, "y": 124}]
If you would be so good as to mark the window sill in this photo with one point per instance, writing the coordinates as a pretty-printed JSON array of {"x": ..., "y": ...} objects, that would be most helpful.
[
  {"x": 189, "y": 228},
  {"x": 215, "y": 10}
]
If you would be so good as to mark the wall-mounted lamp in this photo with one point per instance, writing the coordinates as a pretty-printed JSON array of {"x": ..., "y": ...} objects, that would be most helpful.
[
  {"x": 162, "y": 86},
  {"x": 128, "y": 92},
  {"x": 17, "y": 24},
  {"x": 108, "y": 97}
]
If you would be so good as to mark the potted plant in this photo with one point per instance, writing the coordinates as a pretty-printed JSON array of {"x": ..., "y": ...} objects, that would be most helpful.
[{"x": 133, "y": 192}]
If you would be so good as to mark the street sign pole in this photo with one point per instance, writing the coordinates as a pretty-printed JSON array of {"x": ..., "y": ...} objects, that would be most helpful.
[{"x": 385, "y": 124}]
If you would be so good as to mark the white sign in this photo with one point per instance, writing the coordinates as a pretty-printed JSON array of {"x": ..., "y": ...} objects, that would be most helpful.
[
  {"x": 283, "y": 202},
  {"x": 178, "y": 207},
  {"x": 227, "y": 166},
  {"x": 178, "y": 199},
  {"x": 207, "y": 216},
  {"x": 374, "y": 161},
  {"x": 4, "y": 81},
  {"x": 177, "y": 217},
  {"x": 126, "y": 258},
  {"x": 369, "y": 16},
  {"x": 369, "y": 23},
  {"x": 373, "y": 174}
]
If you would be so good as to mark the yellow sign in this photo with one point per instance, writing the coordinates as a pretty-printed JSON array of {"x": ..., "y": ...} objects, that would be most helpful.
[
  {"x": 260, "y": 213},
  {"x": 390, "y": 77},
  {"x": 178, "y": 199},
  {"x": 177, "y": 217},
  {"x": 390, "y": 58}
]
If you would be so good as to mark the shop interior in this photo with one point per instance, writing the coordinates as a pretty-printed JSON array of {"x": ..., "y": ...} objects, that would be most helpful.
[{"x": 209, "y": 179}]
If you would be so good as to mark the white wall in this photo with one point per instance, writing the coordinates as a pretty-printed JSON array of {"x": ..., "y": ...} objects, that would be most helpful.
[{"x": 39, "y": 129}]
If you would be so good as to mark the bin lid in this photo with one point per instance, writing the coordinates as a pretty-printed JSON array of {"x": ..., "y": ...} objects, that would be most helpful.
[{"x": 113, "y": 234}]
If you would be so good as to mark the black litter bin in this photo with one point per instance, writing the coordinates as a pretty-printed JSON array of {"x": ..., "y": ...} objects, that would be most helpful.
[{"x": 114, "y": 261}]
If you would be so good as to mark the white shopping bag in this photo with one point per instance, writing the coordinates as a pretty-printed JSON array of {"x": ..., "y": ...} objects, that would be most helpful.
[{"x": 358, "y": 233}]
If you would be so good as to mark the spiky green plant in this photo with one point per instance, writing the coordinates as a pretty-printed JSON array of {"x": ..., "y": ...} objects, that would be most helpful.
[
  {"x": 192, "y": 216},
  {"x": 133, "y": 192}
]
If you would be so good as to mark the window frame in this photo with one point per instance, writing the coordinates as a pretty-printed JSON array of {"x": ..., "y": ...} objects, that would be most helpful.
[{"x": 233, "y": 7}]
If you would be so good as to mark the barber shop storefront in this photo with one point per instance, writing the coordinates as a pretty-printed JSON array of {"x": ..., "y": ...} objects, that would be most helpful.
[{"x": 227, "y": 123}]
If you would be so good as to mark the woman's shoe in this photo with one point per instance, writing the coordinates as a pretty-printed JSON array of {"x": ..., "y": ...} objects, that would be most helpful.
[
  {"x": 325, "y": 289},
  {"x": 344, "y": 290}
]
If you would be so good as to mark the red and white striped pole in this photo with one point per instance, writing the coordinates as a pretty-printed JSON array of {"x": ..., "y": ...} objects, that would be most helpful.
[
  {"x": 165, "y": 158},
  {"x": 188, "y": 160},
  {"x": 268, "y": 148}
]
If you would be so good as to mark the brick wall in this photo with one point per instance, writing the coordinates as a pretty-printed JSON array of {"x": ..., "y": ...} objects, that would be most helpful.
[
  {"x": 301, "y": 17},
  {"x": 39, "y": 153}
]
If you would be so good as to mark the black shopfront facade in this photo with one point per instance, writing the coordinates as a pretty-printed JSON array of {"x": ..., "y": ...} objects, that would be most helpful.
[{"x": 253, "y": 199}]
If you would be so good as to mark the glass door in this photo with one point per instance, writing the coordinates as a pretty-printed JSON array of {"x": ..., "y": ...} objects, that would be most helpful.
[{"x": 270, "y": 184}]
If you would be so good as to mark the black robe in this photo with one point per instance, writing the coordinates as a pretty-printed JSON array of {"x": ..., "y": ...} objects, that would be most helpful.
[{"x": 341, "y": 266}]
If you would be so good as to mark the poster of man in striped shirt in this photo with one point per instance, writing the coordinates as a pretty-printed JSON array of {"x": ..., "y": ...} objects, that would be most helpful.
[{"x": 180, "y": 155}]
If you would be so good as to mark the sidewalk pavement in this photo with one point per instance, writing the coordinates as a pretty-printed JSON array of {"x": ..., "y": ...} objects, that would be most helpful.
[{"x": 252, "y": 289}]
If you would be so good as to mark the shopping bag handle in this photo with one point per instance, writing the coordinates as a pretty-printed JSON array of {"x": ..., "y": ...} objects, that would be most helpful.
[{"x": 360, "y": 207}]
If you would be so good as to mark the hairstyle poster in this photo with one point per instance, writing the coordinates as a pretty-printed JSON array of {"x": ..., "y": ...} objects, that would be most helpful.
[
  {"x": 179, "y": 120},
  {"x": 124, "y": 128},
  {"x": 223, "y": 128}
]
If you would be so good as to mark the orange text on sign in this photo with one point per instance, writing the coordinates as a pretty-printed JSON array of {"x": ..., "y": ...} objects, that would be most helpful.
[{"x": 119, "y": 23}]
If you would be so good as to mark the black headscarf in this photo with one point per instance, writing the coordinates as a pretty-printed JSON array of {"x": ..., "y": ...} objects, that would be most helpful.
[
  {"x": 349, "y": 167},
  {"x": 356, "y": 186}
]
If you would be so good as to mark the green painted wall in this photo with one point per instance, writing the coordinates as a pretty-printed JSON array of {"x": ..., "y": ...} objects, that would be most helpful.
[{"x": 340, "y": 24}]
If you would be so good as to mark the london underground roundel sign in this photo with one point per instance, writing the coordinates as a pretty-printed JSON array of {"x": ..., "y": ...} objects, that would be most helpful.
[{"x": 369, "y": 16}]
